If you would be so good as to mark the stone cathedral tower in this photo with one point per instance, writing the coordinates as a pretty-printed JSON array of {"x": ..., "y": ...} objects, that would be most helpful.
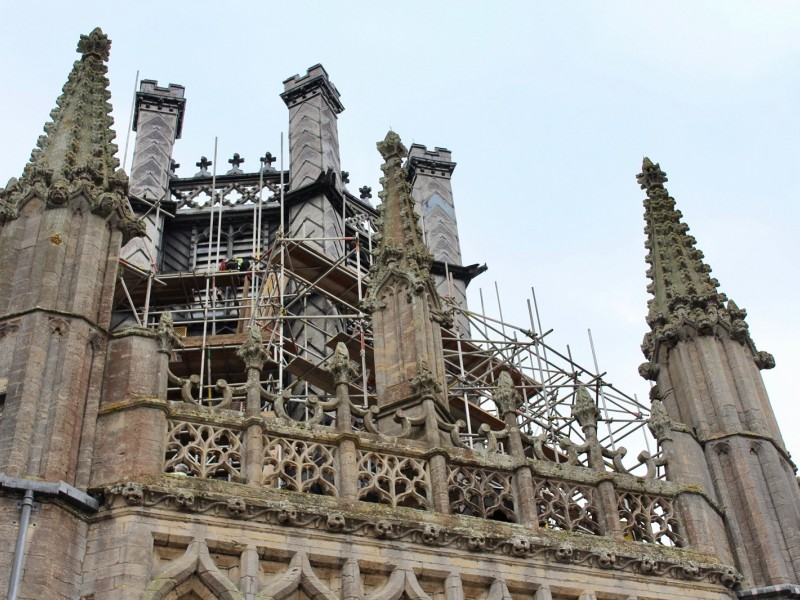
[{"x": 256, "y": 385}]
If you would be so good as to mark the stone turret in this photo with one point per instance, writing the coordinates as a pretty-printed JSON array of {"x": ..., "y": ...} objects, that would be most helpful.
[
  {"x": 158, "y": 120},
  {"x": 430, "y": 172},
  {"x": 720, "y": 426},
  {"x": 62, "y": 226},
  {"x": 313, "y": 103}
]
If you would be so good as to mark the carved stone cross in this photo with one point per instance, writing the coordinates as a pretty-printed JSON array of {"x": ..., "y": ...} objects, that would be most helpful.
[
  {"x": 235, "y": 161},
  {"x": 345, "y": 177},
  {"x": 267, "y": 160},
  {"x": 366, "y": 192},
  {"x": 203, "y": 164}
]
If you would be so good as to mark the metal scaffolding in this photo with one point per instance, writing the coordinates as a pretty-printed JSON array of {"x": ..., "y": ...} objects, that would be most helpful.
[{"x": 215, "y": 309}]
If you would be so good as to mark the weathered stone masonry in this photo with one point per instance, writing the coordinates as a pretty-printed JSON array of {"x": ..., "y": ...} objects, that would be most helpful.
[{"x": 330, "y": 460}]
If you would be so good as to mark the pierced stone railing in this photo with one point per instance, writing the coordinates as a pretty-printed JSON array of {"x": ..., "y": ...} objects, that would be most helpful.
[
  {"x": 299, "y": 457},
  {"x": 521, "y": 480}
]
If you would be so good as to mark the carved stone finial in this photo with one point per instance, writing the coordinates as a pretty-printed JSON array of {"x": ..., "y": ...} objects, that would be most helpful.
[
  {"x": 252, "y": 351},
  {"x": 340, "y": 366},
  {"x": 649, "y": 370},
  {"x": 651, "y": 177},
  {"x": 659, "y": 423},
  {"x": 400, "y": 250},
  {"x": 764, "y": 360},
  {"x": 168, "y": 340},
  {"x": 96, "y": 45},
  {"x": 365, "y": 192},
  {"x": 267, "y": 161},
  {"x": 392, "y": 147},
  {"x": 584, "y": 410},
  {"x": 505, "y": 395},
  {"x": 131, "y": 228}
]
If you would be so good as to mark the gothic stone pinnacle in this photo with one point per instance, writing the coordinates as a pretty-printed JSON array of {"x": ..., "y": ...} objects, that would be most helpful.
[{"x": 684, "y": 299}]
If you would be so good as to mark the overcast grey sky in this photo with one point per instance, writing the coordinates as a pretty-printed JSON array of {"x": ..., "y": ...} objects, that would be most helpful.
[{"x": 548, "y": 108}]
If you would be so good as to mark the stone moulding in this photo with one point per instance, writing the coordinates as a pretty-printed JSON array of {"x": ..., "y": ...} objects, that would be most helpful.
[
  {"x": 481, "y": 459},
  {"x": 214, "y": 499}
]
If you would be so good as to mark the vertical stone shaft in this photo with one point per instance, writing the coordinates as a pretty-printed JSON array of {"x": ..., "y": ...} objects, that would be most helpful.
[
  {"x": 313, "y": 103},
  {"x": 157, "y": 121},
  {"x": 526, "y": 507},
  {"x": 253, "y": 442},
  {"x": 348, "y": 463},
  {"x": 342, "y": 371},
  {"x": 509, "y": 401},
  {"x": 132, "y": 423},
  {"x": 430, "y": 173},
  {"x": 586, "y": 412},
  {"x": 253, "y": 354}
]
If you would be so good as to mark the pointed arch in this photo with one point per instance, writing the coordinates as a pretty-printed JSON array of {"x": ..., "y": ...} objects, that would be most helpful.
[
  {"x": 192, "y": 573},
  {"x": 300, "y": 575},
  {"x": 401, "y": 581}
]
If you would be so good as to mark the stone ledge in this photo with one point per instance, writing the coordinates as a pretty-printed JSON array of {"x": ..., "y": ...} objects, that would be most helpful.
[{"x": 215, "y": 499}]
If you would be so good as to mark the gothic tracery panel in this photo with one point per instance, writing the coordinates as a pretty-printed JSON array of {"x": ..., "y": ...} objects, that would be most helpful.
[
  {"x": 566, "y": 506},
  {"x": 393, "y": 480},
  {"x": 650, "y": 519},
  {"x": 481, "y": 493},
  {"x": 204, "y": 451},
  {"x": 299, "y": 466}
]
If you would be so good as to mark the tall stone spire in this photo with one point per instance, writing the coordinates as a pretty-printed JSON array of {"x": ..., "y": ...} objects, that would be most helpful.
[
  {"x": 400, "y": 247},
  {"x": 62, "y": 226},
  {"x": 722, "y": 435},
  {"x": 76, "y": 153},
  {"x": 406, "y": 309},
  {"x": 685, "y": 298}
]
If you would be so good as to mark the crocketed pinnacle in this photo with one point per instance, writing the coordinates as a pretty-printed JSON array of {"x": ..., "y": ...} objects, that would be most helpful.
[
  {"x": 76, "y": 152},
  {"x": 400, "y": 248},
  {"x": 79, "y": 139},
  {"x": 685, "y": 298}
]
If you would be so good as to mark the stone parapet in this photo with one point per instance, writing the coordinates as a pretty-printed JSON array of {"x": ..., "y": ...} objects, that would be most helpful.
[
  {"x": 315, "y": 82},
  {"x": 152, "y": 97}
]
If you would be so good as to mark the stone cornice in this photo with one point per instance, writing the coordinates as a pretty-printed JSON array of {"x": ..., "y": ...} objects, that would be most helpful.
[
  {"x": 750, "y": 435},
  {"x": 50, "y": 311},
  {"x": 133, "y": 403},
  {"x": 429, "y": 166},
  {"x": 206, "y": 499}
]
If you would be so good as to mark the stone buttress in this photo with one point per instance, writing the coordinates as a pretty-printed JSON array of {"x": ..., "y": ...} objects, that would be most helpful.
[
  {"x": 61, "y": 227},
  {"x": 716, "y": 418},
  {"x": 405, "y": 306}
]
